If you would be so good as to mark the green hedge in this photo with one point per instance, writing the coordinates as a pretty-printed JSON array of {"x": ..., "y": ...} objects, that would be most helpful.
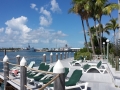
[{"x": 86, "y": 55}]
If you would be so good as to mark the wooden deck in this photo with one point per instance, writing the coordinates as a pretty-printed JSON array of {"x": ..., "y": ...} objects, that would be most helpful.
[{"x": 97, "y": 81}]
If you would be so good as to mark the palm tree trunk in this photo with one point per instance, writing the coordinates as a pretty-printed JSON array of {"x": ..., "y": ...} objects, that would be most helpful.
[
  {"x": 86, "y": 44},
  {"x": 114, "y": 35},
  {"x": 96, "y": 32},
  {"x": 92, "y": 44},
  {"x": 100, "y": 36}
]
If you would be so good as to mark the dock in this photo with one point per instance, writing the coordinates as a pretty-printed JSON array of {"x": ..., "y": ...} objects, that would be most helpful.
[{"x": 96, "y": 81}]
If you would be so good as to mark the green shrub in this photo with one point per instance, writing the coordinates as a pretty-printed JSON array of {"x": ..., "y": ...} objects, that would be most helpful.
[{"x": 86, "y": 55}]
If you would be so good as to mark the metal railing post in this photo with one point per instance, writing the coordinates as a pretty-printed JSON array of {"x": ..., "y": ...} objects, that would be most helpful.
[
  {"x": 6, "y": 70},
  {"x": 23, "y": 77},
  {"x": 18, "y": 59},
  {"x": 44, "y": 57},
  {"x": 59, "y": 83}
]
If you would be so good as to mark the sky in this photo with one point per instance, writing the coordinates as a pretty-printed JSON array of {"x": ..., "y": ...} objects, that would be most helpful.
[{"x": 42, "y": 24}]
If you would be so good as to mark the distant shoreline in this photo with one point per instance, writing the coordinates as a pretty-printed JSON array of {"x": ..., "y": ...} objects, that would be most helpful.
[{"x": 35, "y": 51}]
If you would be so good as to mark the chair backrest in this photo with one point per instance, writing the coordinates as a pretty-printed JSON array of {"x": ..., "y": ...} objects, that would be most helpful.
[
  {"x": 32, "y": 63},
  {"x": 75, "y": 77},
  {"x": 85, "y": 67},
  {"x": 51, "y": 70},
  {"x": 46, "y": 67},
  {"x": 66, "y": 71},
  {"x": 99, "y": 64},
  {"x": 41, "y": 66}
]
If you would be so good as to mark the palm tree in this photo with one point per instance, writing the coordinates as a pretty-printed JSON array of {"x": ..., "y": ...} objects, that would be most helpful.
[
  {"x": 93, "y": 31},
  {"x": 102, "y": 7},
  {"x": 83, "y": 9},
  {"x": 112, "y": 25},
  {"x": 95, "y": 9},
  {"x": 102, "y": 30},
  {"x": 73, "y": 10}
]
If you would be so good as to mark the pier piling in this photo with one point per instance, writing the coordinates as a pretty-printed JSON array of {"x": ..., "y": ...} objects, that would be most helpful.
[
  {"x": 44, "y": 57},
  {"x": 69, "y": 54},
  {"x": 4, "y": 52},
  {"x": 6, "y": 70},
  {"x": 18, "y": 59},
  {"x": 60, "y": 56},
  {"x": 59, "y": 83},
  {"x": 51, "y": 57},
  {"x": 23, "y": 77},
  {"x": 64, "y": 55},
  {"x": 56, "y": 56}
]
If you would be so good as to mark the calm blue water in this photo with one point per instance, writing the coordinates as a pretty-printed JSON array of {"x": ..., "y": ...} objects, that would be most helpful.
[{"x": 31, "y": 56}]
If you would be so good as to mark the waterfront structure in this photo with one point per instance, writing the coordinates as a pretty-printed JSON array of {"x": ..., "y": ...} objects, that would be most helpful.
[{"x": 27, "y": 49}]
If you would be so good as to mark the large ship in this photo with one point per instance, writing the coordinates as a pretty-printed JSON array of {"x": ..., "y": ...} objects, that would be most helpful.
[{"x": 27, "y": 49}]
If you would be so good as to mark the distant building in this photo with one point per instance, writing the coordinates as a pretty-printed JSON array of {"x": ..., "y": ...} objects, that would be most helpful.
[{"x": 75, "y": 49}]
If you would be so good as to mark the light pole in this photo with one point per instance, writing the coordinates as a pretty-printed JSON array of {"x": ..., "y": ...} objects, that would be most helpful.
[
  {"x": 104, "y": 49},
  {"x": 107, "y": 48}
]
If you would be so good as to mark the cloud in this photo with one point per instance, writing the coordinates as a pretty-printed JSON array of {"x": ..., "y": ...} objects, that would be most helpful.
[
  {"x": 33, "y": 6},
  {"x": 18, "y": 23},
  {"x": 59, "y": 42},
  {"x": 36, "y": 9},
  {"x": 45, "y": 41},
  {"x": 17, "y": 32},
  {"x": 58, "y": 34},
  {"x": 45, "y": 34},
  {"x": 17, "y": 29},
  {"x": 35, "y": 41},
  {"x": 1, "y": 40},
  {"x": 1, "y": 30},
  {"x": 8, "y": 30},
  {"x": 55, "y": 6},
  {"x": 45, "y": 19},
  {"x": 45, "y": 12}
]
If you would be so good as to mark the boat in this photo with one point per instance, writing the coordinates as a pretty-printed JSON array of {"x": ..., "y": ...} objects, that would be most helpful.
[{"x": 27, "y": 49}]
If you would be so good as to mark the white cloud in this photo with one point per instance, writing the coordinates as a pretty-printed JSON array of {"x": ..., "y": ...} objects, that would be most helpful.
[
  {"x": 45, "y": 19},
  {"x": 45, "y": 41},
  {"x": 16, "y": 31},
  {"x": 36, "y": 9},
  {"x": 59, "y": 42},
  {"x": 33, "y": 6},
  {"x": 8, "y": 30},
  {"x": 1, "y": 30},
  {"x": 35, "y": 41},
  {"x": 45, "y": 12},
  {"x": 18, "y": 23},
  {"x": 1, "y": 40},
  {"x": 58, "y": 34},
  {"x": 55, "y": 6}
]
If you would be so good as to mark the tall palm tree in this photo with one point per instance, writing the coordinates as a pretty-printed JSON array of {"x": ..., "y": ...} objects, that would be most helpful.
[
  {"x": 83, "y": 7},
  {"x": 112, "y": 25},
  {"x": 73, "y": 10},
  {"x": 102, "y": 30},
  {"x": 102, "y": 7},
  {"x": 93, "y": 31}
]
